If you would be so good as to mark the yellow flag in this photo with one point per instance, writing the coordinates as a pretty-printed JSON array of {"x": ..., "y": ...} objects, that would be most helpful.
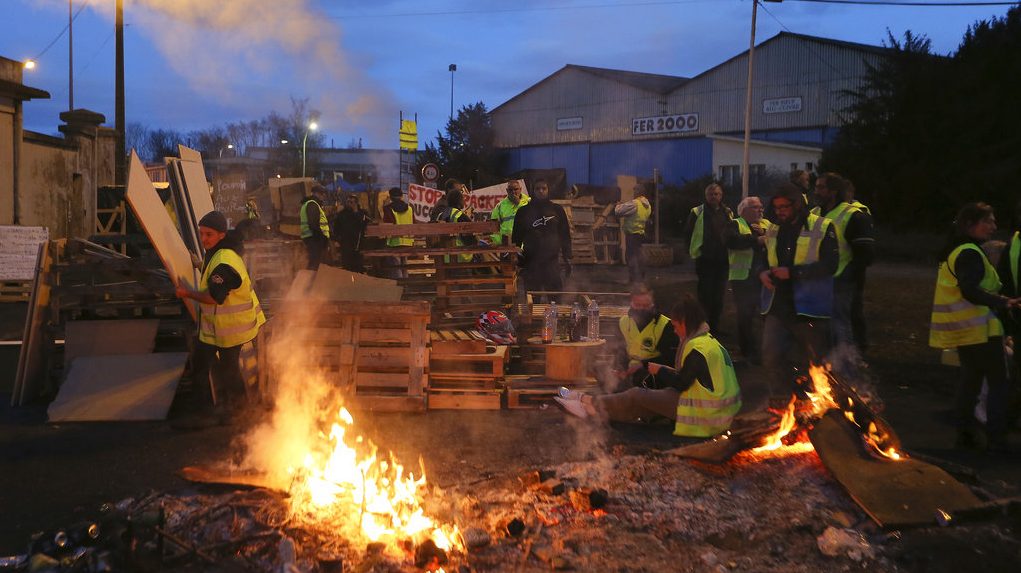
[{"x": 409, "y": 134}]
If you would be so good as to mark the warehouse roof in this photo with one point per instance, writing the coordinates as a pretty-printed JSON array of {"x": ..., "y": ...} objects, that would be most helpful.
[{"x": 656, "y": 83}]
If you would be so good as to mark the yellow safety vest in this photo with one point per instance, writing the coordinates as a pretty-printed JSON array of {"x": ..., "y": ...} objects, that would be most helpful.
[
  {"x": 841, "y": 216},
  {"x": 741, "y": 259},
  {"x": 701, "y": 412},
  {"x": 324, "y": 226},
  {"x": 695, "y": 247},
  {"x": 955, "y": 321},
  {"x": 1015, "y": 250},
  {"x": 454, "y": 215},
  {"x": 861, "y": 207},
  {"x": 504, "y": 213},
  {"x": 634, "y": 224},
  {"x": 238, "y": 319},
  {"x": 405, "y": 218},
  {"x": 811, "y": 297},
  {"x": 642, "y": 344}
]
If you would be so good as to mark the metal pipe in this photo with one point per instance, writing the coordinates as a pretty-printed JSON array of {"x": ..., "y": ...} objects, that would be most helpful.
[{"x": 748, "y": 105}]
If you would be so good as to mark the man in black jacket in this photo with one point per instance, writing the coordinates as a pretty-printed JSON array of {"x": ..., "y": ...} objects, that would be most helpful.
[
  {"x": 349, "y": 230},
  {"x": 542, "y": 231}
]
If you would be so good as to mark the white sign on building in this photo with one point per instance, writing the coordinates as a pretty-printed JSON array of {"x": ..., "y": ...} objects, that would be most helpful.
[
  {"x": 569, "y": 123},
  {"x": 781, "y": 105},
  {"x": 678, "y": 123}
]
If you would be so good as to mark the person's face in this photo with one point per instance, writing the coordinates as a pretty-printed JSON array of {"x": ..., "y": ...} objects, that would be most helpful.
[
  {"x": 541, "y": 191},
  {"x": 803, "y": 180},
  {"x": 678, "y": 327},
  {"x": 784, "y": 210},
  {"x": 752, "y": 211},
  {"x": 352, "y": 203},
  {"x": 713, "y": 196},
  {"x": 210, "y": 237},
  {"x": 823, "y": 193},
  {"x": 642, "y": 303},
  {"x": 984, "y": 229},
  {"x": 514, "y": 191}
]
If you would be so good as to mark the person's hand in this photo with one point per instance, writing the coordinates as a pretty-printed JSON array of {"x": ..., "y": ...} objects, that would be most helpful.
[
  {"x": 1013, "y": 303},
  {"x": 767, "y": 280},
  {"x": 762, "y": 240},
  {"x": 782, "y": 273},
  {"x": 653, "y": 368},
  {"x": 181, "y": 291},
  {"x": 196, "y": 261}
]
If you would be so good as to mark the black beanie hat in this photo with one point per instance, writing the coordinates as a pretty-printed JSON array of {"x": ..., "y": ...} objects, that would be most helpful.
[{"x": 214, "y": 220}]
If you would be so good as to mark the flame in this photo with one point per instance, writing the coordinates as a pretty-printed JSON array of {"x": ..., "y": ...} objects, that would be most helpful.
[
  {"x": 787, "y": 423},
  {"x": 349, "y": 482},
  {"x": 822, "y": 398}
]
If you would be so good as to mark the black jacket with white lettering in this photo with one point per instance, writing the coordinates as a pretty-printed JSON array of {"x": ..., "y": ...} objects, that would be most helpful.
[{"x": 541, "y": 229}]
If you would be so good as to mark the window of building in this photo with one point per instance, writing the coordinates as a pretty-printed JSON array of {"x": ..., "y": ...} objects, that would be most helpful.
[{"x": 730, "y": 176}]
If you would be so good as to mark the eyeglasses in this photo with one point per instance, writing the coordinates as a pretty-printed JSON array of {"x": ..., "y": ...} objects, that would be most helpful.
[{"x": 782, "y": 206}]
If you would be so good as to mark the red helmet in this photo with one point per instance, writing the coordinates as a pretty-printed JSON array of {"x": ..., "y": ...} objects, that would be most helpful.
[{"x": 495, "y": 326}]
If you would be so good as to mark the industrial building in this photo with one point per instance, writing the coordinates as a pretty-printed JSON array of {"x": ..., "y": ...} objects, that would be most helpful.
[{"x": 598, "y": 123}]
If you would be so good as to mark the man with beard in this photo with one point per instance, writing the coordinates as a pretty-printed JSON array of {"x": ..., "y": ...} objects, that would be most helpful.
[
  {"x": 542, "y": 231},
  {"x": 506, "y": 210},
  {"x": 705, "y": 230},
  {"x": 645, "y": 334},
  {"x": 797, "y": 295}
]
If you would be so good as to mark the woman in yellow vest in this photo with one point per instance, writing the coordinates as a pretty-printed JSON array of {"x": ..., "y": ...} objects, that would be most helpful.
[
  {"x": 229, "y": 316},
  {"x": 699, "y": 393},
  {"x": 964, "y": 317}
]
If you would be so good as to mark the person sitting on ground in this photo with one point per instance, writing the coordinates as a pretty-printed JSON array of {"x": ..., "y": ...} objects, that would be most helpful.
[
  {"x": 700, "y": 393},
  {"x": 644, "y": 335}
]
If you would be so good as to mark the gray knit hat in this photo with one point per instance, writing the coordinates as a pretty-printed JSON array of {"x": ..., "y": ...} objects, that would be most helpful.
[{"x": 214, "y": 220}]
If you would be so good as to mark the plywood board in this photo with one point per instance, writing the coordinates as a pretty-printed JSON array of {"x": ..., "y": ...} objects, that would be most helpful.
[
  {"x": 107, "y": 337},
  {"x": 335, "y": 284},
  {"x": 195, "y": 183},
  {"x": 162, "y": 232},
  {"x": 894, "y": 493},
  {"x": 30, "y": 358},
  {"x": 185, "y": 218},
  {"x": 134, "y": 387}
]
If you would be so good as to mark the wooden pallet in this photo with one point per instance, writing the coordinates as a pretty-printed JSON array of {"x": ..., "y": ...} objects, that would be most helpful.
[
  {"x": 464, "y": 399},
  {"x": 375, "y": 352},
  {"x": 477, "y": 370},
  {"x": 15, "y": 291},
  {"x": 524, "y": 392}
]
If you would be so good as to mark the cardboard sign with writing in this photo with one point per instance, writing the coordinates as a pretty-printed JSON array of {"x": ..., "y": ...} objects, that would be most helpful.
[
  {"x": 18, "y": 249},
  {"x": 484, "y": 200}
]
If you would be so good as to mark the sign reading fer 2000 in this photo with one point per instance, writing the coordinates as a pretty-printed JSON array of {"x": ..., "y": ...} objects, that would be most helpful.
[{"x": 664, "y": 124}]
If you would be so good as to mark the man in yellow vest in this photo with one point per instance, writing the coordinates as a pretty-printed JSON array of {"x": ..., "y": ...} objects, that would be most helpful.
[
  {"x": 746, "y": 248},
  {"x": 315, "y": 229},
  {"x": 645, "y": 335},
  {"x": 705, "y": 228},
  {"x": 634, "y": 216},
  {"x": 700, "y": 393},
  {"x": 505, "y": 211},
  {"x": 856, "y": 246},
  {"x": 229, "y": 317},
  {"x": 797, "y": 294},
  {"x": 398, "y": 212}
]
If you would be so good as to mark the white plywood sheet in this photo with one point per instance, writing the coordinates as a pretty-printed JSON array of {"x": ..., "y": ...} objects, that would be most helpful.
[
  {"x": 136, "y": 387},
  {"x": 107, "y": 337},
  {"x": 195, "y": 182},
  {"x": 332, "y": 283},
  {"x": 162, "y": 232}
]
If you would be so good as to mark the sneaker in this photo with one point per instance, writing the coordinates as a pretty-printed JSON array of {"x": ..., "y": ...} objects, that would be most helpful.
[
  {"x": 573, "y": 407},
  {"x": 568, "y": 394}
]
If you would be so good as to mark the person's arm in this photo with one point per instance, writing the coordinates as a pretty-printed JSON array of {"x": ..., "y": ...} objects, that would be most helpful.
[
  {"x": 624, "y": 209},
  {"x": 313, "y": 213},
  {"x": 734, "y": 240},
  {"x": 1003, "y": 270},
  {"x": 564, "y": 229},
  {"x": 695, "y": 368},
  {"x": 668, "y": 342},
  {"x": 969, "y": 268},
  {"x": 861, "y": 237},
  {"x": 518, "y": 230},
  {"x": 829, "y": 258},
  {"x": 222, "y": 280}
]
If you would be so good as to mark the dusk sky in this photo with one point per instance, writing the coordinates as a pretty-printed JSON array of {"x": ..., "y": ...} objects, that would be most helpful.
[{"x": 192, "y": 64}]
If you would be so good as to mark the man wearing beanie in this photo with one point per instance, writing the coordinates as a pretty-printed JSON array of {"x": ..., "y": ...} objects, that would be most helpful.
[{"x": 229, "y": 316}]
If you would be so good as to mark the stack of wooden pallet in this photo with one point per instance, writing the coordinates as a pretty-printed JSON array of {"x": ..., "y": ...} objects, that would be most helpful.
[
  {"x": 272, "y": 264},
  {"x": 458, "y": 290},
  {"x": 465, "y": 372},
  {"x": 15, "y": 291},
  {"x": 376, "y": 353}
]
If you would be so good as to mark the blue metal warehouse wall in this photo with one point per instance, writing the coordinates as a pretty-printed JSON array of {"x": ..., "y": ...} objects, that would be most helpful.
[
  {"x": 677, "y": 159},
  {"x": 816, "y": 137}
]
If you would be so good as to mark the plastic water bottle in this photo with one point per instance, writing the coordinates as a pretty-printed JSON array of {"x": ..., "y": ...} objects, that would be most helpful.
[
  {"x": 593, "y": 320},
  {"x": 575, "y": 322},
  {"x": 549, "y": 323}
]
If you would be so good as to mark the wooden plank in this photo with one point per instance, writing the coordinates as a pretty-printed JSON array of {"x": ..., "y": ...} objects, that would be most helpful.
[
  {"x": 431, "y": 229},
  {"x": 454, "y": 347},
  {"x": 31, "y": 354},
  {"x": 108, "y": 337},
  {"x": 893, "y": 493},
  {"x": 162, "y": 232},
  {"x": 120, "y": 387},
  {"x": 419, "y": 358},
  {"x": 227, "y": 476},
  {"x": 370, "y": 358},
  {"x": 445, "y": 399},
  {"x": 386, "y": 403},
  {"x": 437, "y": 251}
]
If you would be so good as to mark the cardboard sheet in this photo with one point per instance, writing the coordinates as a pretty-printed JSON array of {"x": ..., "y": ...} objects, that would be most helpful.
[
  {"x": 195, "y": 182},
  {"x": 135, "y": 387},
  {"x": 332, "y": 283},
  {"x": 107, "y": 337},
  {"x": 162, "y": 232}
]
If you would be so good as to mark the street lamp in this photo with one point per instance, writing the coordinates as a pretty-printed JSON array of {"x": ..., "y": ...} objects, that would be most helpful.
[
  {"x": 29, "y": 64},
  {"x": 312, "y": 126},
  {"x": 229, "y": 146},
  {"x": 452, "y": 68}
]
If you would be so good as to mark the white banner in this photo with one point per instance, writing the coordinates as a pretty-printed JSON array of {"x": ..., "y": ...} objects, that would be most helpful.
[{"x": 484, "y": 200}]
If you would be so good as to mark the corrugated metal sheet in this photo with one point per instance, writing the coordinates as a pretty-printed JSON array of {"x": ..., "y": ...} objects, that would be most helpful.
[{"x": 815, "y": 137}]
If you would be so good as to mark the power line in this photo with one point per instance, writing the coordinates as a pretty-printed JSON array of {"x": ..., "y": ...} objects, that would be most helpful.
[
  {"x": 64, "y": 31},
  {"x": 521, "y": 9},
  {"x": 908, "y": 3}
]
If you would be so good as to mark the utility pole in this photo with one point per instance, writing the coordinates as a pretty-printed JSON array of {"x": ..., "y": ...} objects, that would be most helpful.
[
  {"x": 748, "y": 106},
  {"x": 452, "y": 68},
  {"x": 120, "y": 158},
  {"x": 70, "y": 56}
]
